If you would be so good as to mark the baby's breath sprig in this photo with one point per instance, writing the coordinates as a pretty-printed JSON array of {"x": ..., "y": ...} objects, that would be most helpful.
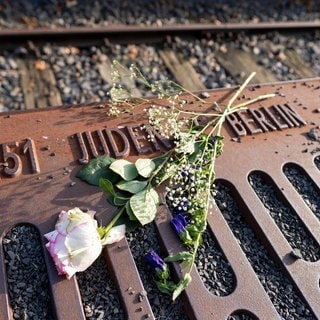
[
  {"x": 122, "y": 97},
  {"x": 188, "y": 170}
]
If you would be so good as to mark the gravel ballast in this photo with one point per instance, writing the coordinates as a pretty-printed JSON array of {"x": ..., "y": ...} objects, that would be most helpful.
[
  {"x": 80, "y": 78},
  {"x": 286, "y": 219},
  {"x": 99, "y": 295},
  {"x": 27, "y": 277},
  {"x": 59, "y": 13},
  {"x": 278, "y": 286}
]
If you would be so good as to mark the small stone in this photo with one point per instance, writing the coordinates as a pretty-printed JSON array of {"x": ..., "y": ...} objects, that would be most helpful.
[
  {"x": 25, "y": 261},
  {"x": 21, "y": 285},
  {"x": 204, "y": 95},
  {"x": 11, "y": 254},
  {"x": 296, "y": 253},
  {"x": 313, "y": 134},
  {"x": 142, "y": 295},
  {"x": 236, "y": 139}
]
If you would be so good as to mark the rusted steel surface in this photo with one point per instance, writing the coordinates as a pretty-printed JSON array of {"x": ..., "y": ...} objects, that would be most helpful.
[
  {"x": 128, "y": 32},
  {"x": 41, "y": 152}
]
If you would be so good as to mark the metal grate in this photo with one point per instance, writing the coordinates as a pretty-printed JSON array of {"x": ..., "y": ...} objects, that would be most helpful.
[{"x": 272, "y": 148}]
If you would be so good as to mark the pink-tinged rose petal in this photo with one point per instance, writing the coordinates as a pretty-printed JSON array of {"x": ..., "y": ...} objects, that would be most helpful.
[
  {"x": 115, "y": 234},
  {"x": 63, "y": 222},
  {"x": 50, "y": 236},
  {"x": 75, "y": 243}
]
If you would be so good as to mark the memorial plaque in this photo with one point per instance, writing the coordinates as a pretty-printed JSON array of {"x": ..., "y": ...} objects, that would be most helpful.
[{"x": 42, "y": 151}]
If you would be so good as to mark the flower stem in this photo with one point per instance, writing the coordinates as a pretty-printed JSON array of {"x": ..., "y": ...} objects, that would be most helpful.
[{"x": 107, "y": 228}]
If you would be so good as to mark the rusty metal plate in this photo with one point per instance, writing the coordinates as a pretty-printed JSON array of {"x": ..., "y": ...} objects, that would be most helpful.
[{"x": 41, "y": 152}]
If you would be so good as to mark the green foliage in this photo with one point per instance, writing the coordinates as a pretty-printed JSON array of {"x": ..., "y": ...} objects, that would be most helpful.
[
  {"x": 130, "y": 213},
  {"x": 107, "y": 187},
  {"x": 125, "y": 169},
  {"x": 96, "y": 169},
  {"x": 145, "y": 167},
  {"x": 180, "y": 256},
  {"x": 133, "y": 186},
  {"x": 144, "y": 205},
  {"x": 128, "y": 186},
  {"x": 181, "y": 286}
]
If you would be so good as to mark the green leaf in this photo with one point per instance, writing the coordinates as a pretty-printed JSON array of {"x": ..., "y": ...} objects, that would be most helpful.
[
  {"x": 119, "y": 202},
  {"x": 107, "y": 187},
  {"x": 125, "y": 169},
  {"x": 145, "y": 167},
  {"x": 144, "y": 205},
  {"x": 133, "y": 186},
  {"x": 97, "y": 168},
  {"x": 181, "y": 286},
  {"x": 166, "y": 287},
  {"x": 130, "y": 212},
  {"x": 131, "y": 225},
  {"x": 181, "y": 256}
]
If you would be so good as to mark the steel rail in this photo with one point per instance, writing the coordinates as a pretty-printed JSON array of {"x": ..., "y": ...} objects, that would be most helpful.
[{"x": 114, "y": 31}]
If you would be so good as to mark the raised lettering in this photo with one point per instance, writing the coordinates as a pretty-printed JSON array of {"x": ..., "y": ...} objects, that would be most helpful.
[
  {"x": 92, "y": 146},
  {"x": 85, "y": 157},
  {"x": 118, "y": 141},
  {"x": 30, "y": 147},
  {"x": 246, "y": 121},
  {"x": 14, "y": 167},
  {"x": 260, "y": 118},
  {"x": 103, "y": 143},
  {"x": 279, "y": 125},
  {"x": 236, "y": 125},
  {"x": 283, "y": 116},
  {"x": 133, "y": 133},
  {"x": 292, "y": 115}
]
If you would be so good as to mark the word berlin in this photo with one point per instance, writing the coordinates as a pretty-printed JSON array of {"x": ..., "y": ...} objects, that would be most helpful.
[{"x": 253, "y": 121}]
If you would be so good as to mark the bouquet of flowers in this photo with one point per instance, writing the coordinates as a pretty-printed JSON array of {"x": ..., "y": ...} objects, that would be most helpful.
[{"x": 187, "y": 170}]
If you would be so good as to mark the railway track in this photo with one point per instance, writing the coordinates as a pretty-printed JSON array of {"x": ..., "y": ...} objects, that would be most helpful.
[{"x": 38, "y": 73}]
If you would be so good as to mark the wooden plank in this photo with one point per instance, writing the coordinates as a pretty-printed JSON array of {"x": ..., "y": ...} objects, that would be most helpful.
[
  {"x": 240, "y": 64},
  {"x": 38, "y": 84},
  {"x": 39, "y": 88},
  {"x": 301, "y": 68},
  {"x": 104, "y": 68},
  {"x": 105, "y": 71},
  {"x": 182, "y": 70},
  {"x": 52, "y": 92},
  {"x": 27, "y": 84}
]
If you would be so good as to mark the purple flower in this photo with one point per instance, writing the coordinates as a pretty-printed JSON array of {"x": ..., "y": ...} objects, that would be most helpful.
[
  {"x": 213, "y": 139},
  {"x": 179, "y": 223},
  {"x": 156, "y": 262}
]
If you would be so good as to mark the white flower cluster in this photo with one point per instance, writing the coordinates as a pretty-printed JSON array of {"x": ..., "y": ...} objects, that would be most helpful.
[
  {"x": 185, "y": 143},
  {"x": 165, "y": 121}
]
